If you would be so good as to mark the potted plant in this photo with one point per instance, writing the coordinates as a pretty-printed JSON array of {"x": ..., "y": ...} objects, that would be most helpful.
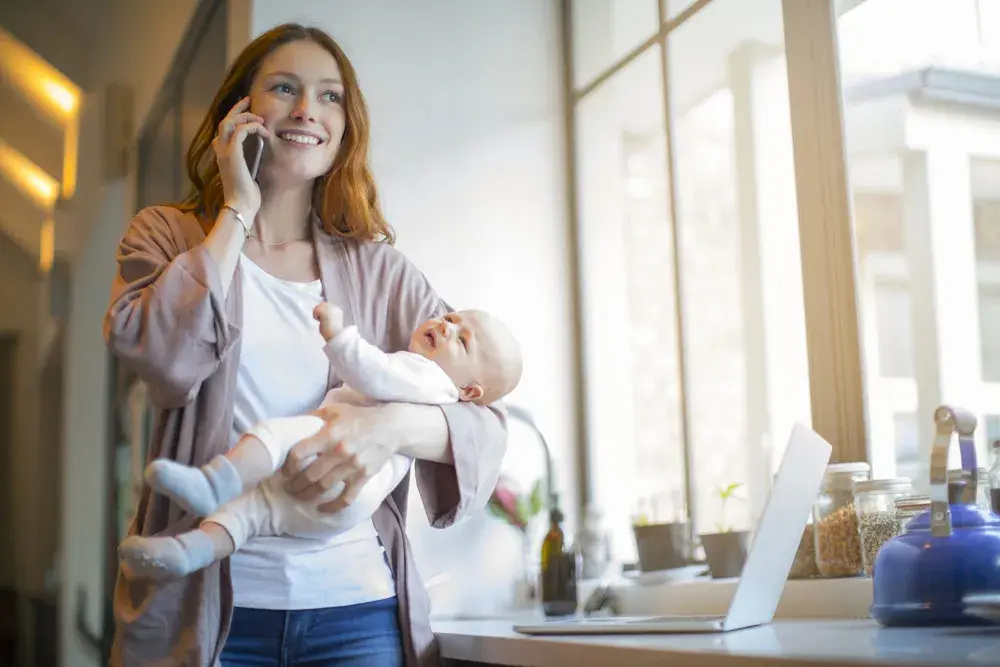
[
  {"x": 726, "y": 550},
  {"x": 660, "y": 545}
]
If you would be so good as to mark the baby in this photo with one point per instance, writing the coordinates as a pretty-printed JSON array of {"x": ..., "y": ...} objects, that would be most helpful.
[{"x": 463, "y": 356}]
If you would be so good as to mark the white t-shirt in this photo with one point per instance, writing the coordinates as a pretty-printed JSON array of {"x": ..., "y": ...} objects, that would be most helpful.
[{"x": 283, "y": 372}]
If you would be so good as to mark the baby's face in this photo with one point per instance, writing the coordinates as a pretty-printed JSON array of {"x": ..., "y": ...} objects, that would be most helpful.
[{"x": 468, "y": 345}]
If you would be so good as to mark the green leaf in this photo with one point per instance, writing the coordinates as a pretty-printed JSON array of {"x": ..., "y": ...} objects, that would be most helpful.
[
  {"x": 728, "y": 492},
  {"x": 523, "y": 510},
  {"x": 537, "y": 502},
  {"x": 498, "y": 512}
]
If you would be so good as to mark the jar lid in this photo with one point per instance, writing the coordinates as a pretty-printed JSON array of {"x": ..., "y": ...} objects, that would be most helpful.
[
  {"x": 891, "y": 484},
  {"x": 917, "y": 503},
  {"x": 840, "y": 476},
  {"x": 960, "y": 473},
  {"x": 847, "y": 468}
]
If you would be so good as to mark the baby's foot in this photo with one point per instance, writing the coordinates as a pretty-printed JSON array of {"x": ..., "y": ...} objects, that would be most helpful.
[
  {"x": 165, "y": 558},
  {"x": 200, "y": 491}
]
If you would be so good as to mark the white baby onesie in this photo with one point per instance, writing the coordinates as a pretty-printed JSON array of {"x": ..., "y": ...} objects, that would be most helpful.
[{"x": 370, "y": 376}]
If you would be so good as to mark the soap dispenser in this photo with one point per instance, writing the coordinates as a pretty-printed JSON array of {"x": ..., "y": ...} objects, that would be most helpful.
[{"x": 560, "y": 567}]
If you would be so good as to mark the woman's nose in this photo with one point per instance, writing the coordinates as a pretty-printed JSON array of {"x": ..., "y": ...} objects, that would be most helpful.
[{"x": 302, "y": 113}]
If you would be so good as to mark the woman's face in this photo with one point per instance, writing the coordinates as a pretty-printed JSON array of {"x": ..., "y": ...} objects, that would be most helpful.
[{"x": 299, "y": 93}]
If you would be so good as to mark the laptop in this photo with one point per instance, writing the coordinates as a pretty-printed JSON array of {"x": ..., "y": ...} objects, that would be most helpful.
[{"x": 768, "y": 563}]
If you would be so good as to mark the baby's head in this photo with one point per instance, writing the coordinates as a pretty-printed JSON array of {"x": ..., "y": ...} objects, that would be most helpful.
[{"x": 475, "y": 349}]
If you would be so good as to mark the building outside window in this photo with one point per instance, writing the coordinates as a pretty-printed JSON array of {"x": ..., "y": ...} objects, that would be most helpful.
[{"x": 694, "y": 303}]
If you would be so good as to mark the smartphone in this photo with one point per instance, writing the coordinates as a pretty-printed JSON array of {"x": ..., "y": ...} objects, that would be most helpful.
[{"x": 253, "y": 149}]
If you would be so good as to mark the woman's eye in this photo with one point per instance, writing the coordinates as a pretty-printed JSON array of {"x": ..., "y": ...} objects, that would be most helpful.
[
  {"x": 283, "y": 88},
  {"x": 332, "y": 96}
]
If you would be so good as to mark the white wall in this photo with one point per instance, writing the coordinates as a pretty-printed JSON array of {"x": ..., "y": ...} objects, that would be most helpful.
[
  {"x": 86, "y": 476},
  {"x": 467, "y": 151}
]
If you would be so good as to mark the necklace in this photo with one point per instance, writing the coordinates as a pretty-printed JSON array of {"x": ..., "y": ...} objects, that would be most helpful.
[{"x": 278, "y": 244}]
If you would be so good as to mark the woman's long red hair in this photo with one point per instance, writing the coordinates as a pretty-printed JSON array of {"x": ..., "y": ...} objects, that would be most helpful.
[{"x": 345, "y": 199}]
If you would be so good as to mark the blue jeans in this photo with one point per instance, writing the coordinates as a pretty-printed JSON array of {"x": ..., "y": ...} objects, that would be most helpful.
[{"x": 354, "y": 636}]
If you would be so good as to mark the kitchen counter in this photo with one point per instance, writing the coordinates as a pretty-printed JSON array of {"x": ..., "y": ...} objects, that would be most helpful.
[{"x": 807, "y": 643}]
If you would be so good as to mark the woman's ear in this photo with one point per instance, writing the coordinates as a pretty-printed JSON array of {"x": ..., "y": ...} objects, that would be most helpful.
[{"x": 470, "y": 392}]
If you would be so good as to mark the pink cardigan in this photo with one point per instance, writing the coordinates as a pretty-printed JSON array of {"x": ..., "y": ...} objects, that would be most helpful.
[{"x": 169, "y": 322}]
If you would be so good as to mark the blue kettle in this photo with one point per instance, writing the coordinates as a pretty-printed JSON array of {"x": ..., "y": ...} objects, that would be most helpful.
[{"x": 947, "y": 552}]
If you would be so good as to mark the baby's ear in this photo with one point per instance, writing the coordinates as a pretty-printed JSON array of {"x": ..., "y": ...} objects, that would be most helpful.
[{"x": 470, "y": 392}]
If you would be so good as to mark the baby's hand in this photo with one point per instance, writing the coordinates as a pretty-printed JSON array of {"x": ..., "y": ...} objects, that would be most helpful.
[{"x": 330, "y": 318}]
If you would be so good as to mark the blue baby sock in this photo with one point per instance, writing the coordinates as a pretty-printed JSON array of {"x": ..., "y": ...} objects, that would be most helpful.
[
  {"x": 165, "y": 558},
  {"x": 200, "y": 491}
]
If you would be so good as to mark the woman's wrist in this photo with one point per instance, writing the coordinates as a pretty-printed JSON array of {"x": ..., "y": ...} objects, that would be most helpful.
[
  {"x": 417, "y": 431},
  {"x": 242, "y": 215}
]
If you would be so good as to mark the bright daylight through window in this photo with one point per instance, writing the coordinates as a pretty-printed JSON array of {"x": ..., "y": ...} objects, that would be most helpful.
[{"x": 693, "y": 295}]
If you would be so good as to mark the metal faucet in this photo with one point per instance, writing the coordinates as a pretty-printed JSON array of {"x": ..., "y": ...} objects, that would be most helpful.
[{"x": 523, "y": 416}]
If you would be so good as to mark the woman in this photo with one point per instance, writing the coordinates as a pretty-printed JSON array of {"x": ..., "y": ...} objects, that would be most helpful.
[{"x": 212, "y": 307}]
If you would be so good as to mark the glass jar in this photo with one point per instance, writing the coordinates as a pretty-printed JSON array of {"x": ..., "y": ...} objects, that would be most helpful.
[
  {"x": 875, "y": 501},
  {"x": 835, "y": 521},
  {"x": 994, "y": 476},
  {"x": 804, "y": 563},
  {"x": 958, "y": 478},
  {"x": 908, "y": 508}
]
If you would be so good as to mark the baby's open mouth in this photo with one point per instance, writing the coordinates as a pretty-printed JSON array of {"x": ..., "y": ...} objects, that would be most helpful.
[{"x": 430, "y": 338}]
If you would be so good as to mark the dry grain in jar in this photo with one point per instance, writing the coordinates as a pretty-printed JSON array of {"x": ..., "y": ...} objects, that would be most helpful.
[
  {"x": 804, "y": 565},
  {"x": 877, "y": 528},
  {"x": 835, "y": 521},
  {"x": 875, "y": 501},
  {"x": 838, "y": 543}
]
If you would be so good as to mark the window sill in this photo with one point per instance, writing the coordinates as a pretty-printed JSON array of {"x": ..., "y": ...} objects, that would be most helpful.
[{"x": 801, "y": 598}]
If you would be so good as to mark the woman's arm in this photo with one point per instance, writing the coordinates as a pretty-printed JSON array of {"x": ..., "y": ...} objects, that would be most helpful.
[
  {"x": 358, "y": 440},
  {"x": 476, "y": 444},
  {"x": 458, "y": 447},
  {"x": 419, "y": 431},
  {"x": 167, "y": 318}
]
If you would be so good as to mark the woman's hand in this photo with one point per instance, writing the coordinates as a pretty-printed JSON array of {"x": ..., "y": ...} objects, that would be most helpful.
[
  {"x": 239, "y": 189},
  {"x": 354, "y": 445}
]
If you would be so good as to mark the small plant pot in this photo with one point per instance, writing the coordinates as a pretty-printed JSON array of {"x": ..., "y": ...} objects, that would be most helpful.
[
  {"x": 726, "y": 552},
  {"x": 662, "y": 546}
]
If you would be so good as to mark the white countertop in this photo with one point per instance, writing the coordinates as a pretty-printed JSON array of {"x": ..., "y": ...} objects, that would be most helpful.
[{"x": 807, "y": 643}]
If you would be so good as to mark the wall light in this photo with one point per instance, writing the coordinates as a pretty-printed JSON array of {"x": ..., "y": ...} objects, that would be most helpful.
[
  {"x": 49, "y": 90},
  {"x": 44, "y": 84},
  {"x": 47, "y": 245},
  {"x": 28, "y": 177}
]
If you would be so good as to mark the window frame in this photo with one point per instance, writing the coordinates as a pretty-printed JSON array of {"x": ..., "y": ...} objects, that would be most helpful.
[{"x": 830, "y": 274}]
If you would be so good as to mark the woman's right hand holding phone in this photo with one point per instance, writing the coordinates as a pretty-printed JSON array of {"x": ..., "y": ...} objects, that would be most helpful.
[
  {"x": 238, "y": 187},
  {"x": 225, "y": 242}
]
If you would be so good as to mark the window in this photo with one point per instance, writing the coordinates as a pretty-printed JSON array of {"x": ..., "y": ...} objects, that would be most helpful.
[
  {"x": 907, "y": 446},
  {"x": 895, "y": 331},
  {"x": 743, "y": 334},
  {"x": 699, "y": 146},
  {"x": 992, "y": 427},
  {"x": 924, "y": 172},
  {"x": 629, "y": 299},
  {"x": 605, "y": 30},
  {"x": 985, "y": 177},
  {"x": 708, "y": 334}
]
